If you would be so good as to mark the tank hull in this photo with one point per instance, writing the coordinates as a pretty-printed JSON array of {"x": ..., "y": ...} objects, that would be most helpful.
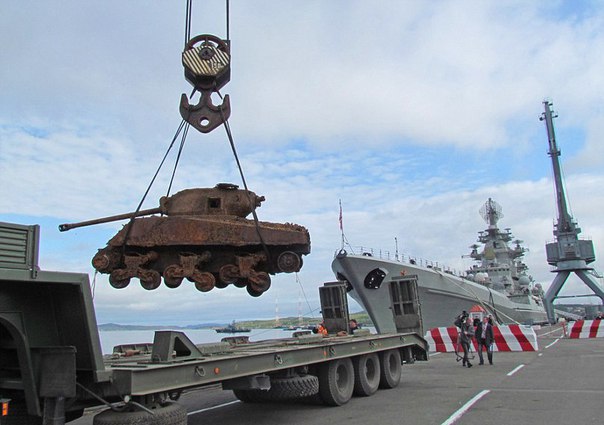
[{"x": 208, "y": 250}]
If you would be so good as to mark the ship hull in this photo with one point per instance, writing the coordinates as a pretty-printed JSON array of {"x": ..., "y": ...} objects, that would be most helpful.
[{"x": 442, "y": 296}]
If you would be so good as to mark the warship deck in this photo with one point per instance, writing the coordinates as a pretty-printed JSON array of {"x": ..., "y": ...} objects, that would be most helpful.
[{"x": 561, "y": 383}]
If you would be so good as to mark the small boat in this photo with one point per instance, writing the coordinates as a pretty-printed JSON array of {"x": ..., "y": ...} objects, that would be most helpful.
[{"x": 231, "y": 329}]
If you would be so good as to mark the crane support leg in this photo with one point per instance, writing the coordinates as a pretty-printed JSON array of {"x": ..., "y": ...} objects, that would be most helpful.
[
  {"x": 591, "y": 283},
  {"x": 552, "y": 293}
]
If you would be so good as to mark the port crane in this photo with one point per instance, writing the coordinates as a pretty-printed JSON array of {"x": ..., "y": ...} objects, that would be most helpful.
[{"x": 568, "y": 254}]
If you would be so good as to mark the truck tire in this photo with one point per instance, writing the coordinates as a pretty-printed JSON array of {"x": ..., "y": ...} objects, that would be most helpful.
[
  {"x": 336, "y": 382},
  {"x": 367, "y": 373},
  {"x": 169, "y": 414},
  {"x": 390, "y": 362},
  {"x": 282, "y": 389}
]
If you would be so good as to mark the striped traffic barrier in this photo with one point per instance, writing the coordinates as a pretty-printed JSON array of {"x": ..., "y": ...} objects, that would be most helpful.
[
  {"x": 586, "y": 329},
  {"x": 507, "y": 338}
]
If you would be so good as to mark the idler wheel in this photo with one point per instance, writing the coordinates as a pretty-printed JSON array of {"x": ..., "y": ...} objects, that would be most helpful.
[
  {"x": 172, "y": 277},
  {"x": 119, "y": 278},
  {"x": 289, "y": 262},
  {"x": 204, "y": 281},
  {"x": 101, "y": 262},
  {"x": 150, "y": 279},
  {"x": 228, "y": 273},
  {"x": 259, "y": 283}
]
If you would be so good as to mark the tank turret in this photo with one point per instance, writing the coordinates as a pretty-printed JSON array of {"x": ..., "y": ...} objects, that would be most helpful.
[{"x": 201, "y": 235}]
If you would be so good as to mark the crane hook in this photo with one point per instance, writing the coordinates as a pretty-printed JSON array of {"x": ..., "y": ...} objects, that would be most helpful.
[{"x": 207, "y": 63}]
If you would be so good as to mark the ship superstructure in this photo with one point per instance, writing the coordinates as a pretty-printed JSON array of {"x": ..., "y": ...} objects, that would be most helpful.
[{"x": 500, "y": 267}]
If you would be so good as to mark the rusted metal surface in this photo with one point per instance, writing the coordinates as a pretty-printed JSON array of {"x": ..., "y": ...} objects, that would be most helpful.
[
  {"x": 203, "y": 237},
  {"x": 207, "y": 63}
]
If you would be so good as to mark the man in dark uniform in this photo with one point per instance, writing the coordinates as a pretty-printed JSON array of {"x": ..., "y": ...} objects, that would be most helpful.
[
  {"x": 484, "y": 337},
  {"x": 465, "y": 336}
]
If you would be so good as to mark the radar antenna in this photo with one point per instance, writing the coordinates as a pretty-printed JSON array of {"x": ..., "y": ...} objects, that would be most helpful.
[
  {"x": 491, "y": 212},
  {"x": 568, "y": 253}
]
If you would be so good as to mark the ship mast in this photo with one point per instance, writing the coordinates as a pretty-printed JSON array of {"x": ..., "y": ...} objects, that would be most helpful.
[{"x": 568, "y": 253}]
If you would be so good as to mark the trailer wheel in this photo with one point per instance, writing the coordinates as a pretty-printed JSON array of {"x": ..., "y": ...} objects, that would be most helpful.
[
  {"x": 367, "y": 373},
  {"x": 294, "y": 387},
  {"x": 336, "y": 382},
  {"x": 169, "y": 414},
  {"x": 390, "y": 374},
  {"x": 282, "y": 389}
]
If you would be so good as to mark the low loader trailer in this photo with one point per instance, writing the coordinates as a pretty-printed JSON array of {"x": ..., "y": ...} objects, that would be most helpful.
[{"x": 52, "y": 367}]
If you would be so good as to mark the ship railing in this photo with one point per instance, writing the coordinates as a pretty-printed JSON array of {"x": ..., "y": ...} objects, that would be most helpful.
[{"x": 384, "y": 254}]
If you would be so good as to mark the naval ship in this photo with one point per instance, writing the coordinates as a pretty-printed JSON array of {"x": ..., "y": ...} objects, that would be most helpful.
[{"x": 498, "y": 284}]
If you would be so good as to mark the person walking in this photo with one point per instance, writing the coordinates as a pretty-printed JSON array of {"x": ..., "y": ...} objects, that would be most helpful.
[
  {"x": 465, "y": 336},
  {"x": 485, "y": 338}
]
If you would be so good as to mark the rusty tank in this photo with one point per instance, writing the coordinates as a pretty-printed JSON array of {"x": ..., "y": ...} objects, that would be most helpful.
[{"x": 201, "y": 235}]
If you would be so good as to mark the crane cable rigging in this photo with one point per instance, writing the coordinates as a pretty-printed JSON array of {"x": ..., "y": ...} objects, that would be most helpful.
[{"x": 184, "y": 128}]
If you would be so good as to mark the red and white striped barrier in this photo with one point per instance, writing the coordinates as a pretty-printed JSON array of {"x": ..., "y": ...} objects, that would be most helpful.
[
  {"x": 586, "y": 329},
  {"x": 507, "y": 338}
]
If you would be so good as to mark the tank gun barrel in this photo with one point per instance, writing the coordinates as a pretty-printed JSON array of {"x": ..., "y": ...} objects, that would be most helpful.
[{"x": 68, "y": 226}]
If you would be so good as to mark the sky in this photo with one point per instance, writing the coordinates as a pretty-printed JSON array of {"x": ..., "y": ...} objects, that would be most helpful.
[{"x": 412, "y": 113}]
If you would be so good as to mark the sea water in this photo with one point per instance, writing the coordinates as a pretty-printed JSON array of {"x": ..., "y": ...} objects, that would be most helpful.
[{"x": 109, "y": 339}]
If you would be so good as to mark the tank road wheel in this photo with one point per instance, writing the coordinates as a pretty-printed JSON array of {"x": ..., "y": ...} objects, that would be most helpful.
[
  {"x": 170, "y": 414},
  {"x": 336, "y": 382},
  {"x": 229, "y": 273},
  {"x": 289, "y": 262},
  {"x": 366, "y": 374},
  {"x": 390, "y": 374},
  {"x": 204, "y": 281},
  {"x": 219, "y": 283},
  {"x": 260, "y": 282},
  {"x": 171, "y": 276},
  {"x": 241, "y": 282},
  {"x": 253, "y": 292},
  {"x": 150, "y": 279},
  {"x": 119, "y": 278}
]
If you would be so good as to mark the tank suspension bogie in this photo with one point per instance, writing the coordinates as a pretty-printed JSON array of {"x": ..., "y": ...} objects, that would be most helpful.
[
  {"x": 229, "y": 273},
  {"x": 188, "y": 268},
  {"x": 245, "y": 274},
  {"x": 134, "y": 266}
]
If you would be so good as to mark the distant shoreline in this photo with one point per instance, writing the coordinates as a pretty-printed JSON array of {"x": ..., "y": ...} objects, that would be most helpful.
[{"x": 361, "y": 317}]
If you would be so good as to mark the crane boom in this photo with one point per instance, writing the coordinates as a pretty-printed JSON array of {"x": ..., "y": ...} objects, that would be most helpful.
[{"x": 565, "y": 222}]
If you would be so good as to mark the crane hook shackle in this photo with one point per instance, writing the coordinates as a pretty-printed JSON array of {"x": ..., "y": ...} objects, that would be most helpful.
[{"x": 207, "y": 62}]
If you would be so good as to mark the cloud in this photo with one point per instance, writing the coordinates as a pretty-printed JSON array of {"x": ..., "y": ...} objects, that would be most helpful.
[{"x": 413, "y": 114}]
